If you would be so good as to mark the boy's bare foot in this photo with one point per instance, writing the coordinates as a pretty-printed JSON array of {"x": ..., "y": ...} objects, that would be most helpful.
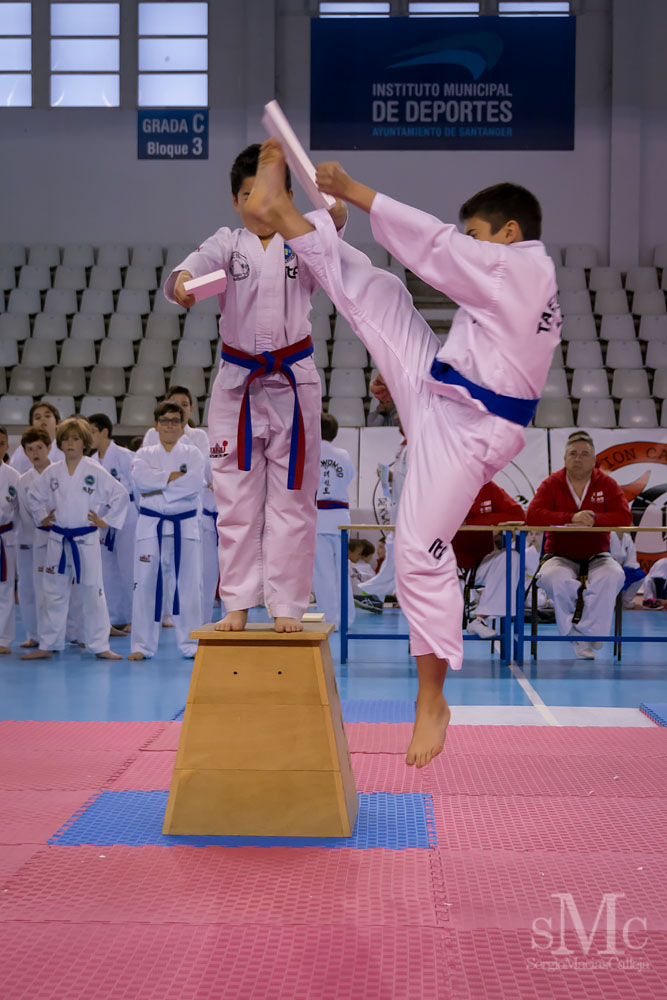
[
  {"x": 126, "y": 628},
  {"x": 136, "y": 656},
  {"x": 117, "y": 631},
  {"x": 38, "y": 654},
  {"x": 268, "y": 193},
  {"x": 167, "y": 623},
  {"x": 29, "y": 644},
  {"x": 287, "y": 625},
  {"x": 234, "y": 621},
  {"x": 108, "y": 655},
  {"x": 430, "y": 730},
  {"x": 4, "y": 649}
]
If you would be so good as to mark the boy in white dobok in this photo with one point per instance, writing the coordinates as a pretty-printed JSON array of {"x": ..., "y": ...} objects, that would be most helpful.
[
  {"x": 118, "y": 546},
  {"x": 463, "y": 405},
  {"x": 197, "y": 436},
  {"x": 333, "y": 508},
  {"x": 75, "y": 498},
  {"x": 168, "y": 477},
  {"x": 9, "y": 521},
  {"x": 32, "y": 550}
]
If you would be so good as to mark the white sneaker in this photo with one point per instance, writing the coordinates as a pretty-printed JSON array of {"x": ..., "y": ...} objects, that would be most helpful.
[
  {"x": 584, "y": 650},
  {"x": 479, "y": 628}
]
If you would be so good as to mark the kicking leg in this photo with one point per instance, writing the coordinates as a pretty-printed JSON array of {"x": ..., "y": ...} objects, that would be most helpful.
[{"x": 433, "y": 713}]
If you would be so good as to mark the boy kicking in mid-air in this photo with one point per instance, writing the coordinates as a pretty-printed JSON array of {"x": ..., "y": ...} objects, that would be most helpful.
[{"x": 463, "y": 405}]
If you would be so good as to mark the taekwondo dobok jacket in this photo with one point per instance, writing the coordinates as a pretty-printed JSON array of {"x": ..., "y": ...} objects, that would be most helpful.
[
  {"x": 9, "y": 502},
  {"x": 336, "y": 474},
  {"x": 151, "y": 470}
]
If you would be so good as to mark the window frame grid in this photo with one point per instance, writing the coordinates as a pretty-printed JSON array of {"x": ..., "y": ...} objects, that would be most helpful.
[
  {"x": 172, "y": 72},
  {"x": 54, "y": 75},
  {"x": 22, "y": 74}
]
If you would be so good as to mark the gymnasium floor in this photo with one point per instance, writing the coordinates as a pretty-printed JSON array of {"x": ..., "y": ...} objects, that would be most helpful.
[{"x": 480, "y": 877}]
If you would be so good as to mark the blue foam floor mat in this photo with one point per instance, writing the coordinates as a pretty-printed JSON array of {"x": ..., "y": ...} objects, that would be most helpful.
[
  {"x": 378, "y": 711},
  {"x": 656, "y": 710},
  {"x": 391, "y": 821}
]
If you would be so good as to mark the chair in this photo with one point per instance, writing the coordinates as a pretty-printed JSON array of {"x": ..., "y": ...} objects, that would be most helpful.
[
  {"x": 555, "y": 386},
  {"x": 63, "y": 404},
  {"x": 15, "y": 409},
  {"x": 581, "y": 255},
  {"x": 571, "y": 279},
  {"x": 14, "y": 326},
  {"x": 147, "y": 255},
  {"x": 323, "y": 380},
  {"x": 590, "y": 382},
  {"x": 44, "y": 255},
  {"x": 347, "y": 382},
  {"x": 197, "y": 327},
  {"x": 61, "y": 301},
  {"x": 630, "y": 384},
  {"x": 163, "y": 328},
  {"x": 596, "y": 413},
  {"x": 656, "y": 354},
  {"x": 557, "y": 357},
  {"x": 67, "y": 381},
  {"x": 113, "y": 255},
  {"x": 140, "y": 278},
  {"x": 194, "y": 352},
  {"x": 78, "y": 353},
  {"x": 24, "y": 301},
  {"x": 637, "y": 413},
  {"x": 39, "y": 353},
  {"x": 641, "y": 279},
  {"x": 163, "y": 307},
  {"x": 147, "y": 380},
  {"x": 579, "y": 328},
  {"x": 107, "y": 381},
  {"x": 176, "y": 254},
  {"x": 584, "y": 354},
  {"x": 348, "y": 411},
  {"x": 3, "y": 381},
  {"x": 204, "y": 419},
  {"x": 649, "y": 304},
  {"x": 26, "y": 381},
  {"x": 191, "y": 377},
  {"x": 660, "y": 383},
  {"x": 575, "y": 303},
  {"x": 7, "y": 278},
  {"x": 342, "y": 329},
  {"x": 660, "y": 255},
  {"x": 133, "y": 303},
  {"x": 49, "y": 327},
  {"x": 137, "y": 411},
  {"x": 125, "y": 328},
  {"x": 611, "y": 303},
  {"x": 99, "y": 404},
  {"x": 617, "y": 328},
  {"x": 12, "y": 255},
  {"x": 377, "y": 254},
  {"x": 555, "y": 253},
  {"x": 321, "y": 353},
  {"x": 96, "y": 300},
  {"x": 116, "y": 353},
  {"x": 205, "y": 307},
  {"x": 321, "y": 304},
  {"x": 155, "y": 352},
  {"x": 653, "y": 328},
  {"x": 320, "y": 324},
  {"x": 605, "y": 279},
  {"x": 663, "y": 419},
  {"x": 78, "y": 255},
  {"x": 87, "y": 327},
  {"x": 9, "y": 353},
  {"x": 105, "y": 279},
  {"x": 69, "y": 276},
  {"x": 624, "y": 354}
]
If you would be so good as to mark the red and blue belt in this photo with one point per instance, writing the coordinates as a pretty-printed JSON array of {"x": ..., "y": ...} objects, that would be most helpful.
[
  {"x": 512, "y": 408},
  {"x": 332, "y": 505},
  {"x": 3, "y": 556},
  {"x": 159, "y": 587},
  {"x": 70, "y": 535},
  {"x": 269, "y": 363}
]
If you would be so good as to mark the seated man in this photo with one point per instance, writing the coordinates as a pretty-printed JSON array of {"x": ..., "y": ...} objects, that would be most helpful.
[
  {"x": 475, "y": 550},
  {"x": 582, "y": 495}
]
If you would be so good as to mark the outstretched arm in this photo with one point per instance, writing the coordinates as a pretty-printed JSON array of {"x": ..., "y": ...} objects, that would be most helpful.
[{"x": 333, "y": 180}]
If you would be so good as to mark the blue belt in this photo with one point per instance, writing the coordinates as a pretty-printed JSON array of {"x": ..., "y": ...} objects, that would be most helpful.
[
  {"x": 110, "y": 537},
  {"x": 518, "y": 411},
  {"x": 214, "y": 515},
  {"x": 70, "y": 535},
  {"x": 176, "y": 521},
  {"x": 3, "y": 556}
]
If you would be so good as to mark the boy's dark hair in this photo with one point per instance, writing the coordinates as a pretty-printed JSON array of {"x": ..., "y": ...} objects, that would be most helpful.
[
  {"x": 54, "y": 410},
  {"x": 165, "y": 407},
  {"x": 102, "y": 422},
  {"x": 3, "y": 430},
  {"x": 34, "y": 434},
  {"x": 502, "y": 202},
  {"x": 368, "y": 548},
  {"x": 136, "y": 443},
  {"x": 245, "y": 165},
  {"x": 180, "y": 390},
  {"x": 329, "y": 426},
  {"x": 355, "y": 543}
]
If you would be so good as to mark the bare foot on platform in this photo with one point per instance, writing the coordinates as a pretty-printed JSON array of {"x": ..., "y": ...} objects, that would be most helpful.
[
  {"x": 136, "y": 656},
  {"x": 287, "y": 625},
  {"x": 430, "y": 730},
  {"x": 234, "y": 621},
  {"x": 38, "y": 654},
  {"x": 108, "y": 655},
  {"x": 29, "y": 644}
]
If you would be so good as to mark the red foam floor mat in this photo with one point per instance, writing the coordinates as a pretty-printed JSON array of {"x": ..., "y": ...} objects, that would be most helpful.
[
  {"x": 166, "y": 739},
  {"x": 53, "y": 769},
  {"x": 31, "y": 817},
  {"x": 213, "y": 885},
  {"x": 224, "y": 962},
  {"x": 147, "y": 772},
  {"x": 62, "y": 736},
  {"x": 13, "y": 857}
]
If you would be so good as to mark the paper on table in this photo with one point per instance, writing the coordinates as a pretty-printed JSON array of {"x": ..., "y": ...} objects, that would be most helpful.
[
  {"x": 207, "y": 285},
  {"x": 276, "y": 124}
]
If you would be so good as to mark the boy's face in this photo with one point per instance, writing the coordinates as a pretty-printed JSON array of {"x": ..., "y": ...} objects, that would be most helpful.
[
  {"x": 4, "y": 445},
  {"x": 169, "y": 428},
  {"x": 240, "y": 203},
  {"x": 37, "y": 452},
  {"x": 72, "y": 446},
  {"x": 99, "y": 436},
  {"x": 182, "y": 400},
  {"x": 480, "y": 229},
  {"x": 44, "y": 420}
]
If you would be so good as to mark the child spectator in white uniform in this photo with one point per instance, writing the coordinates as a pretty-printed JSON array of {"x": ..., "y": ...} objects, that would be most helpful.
[
  {"x": 333, "y": 508},
  {"x": 36, "y": 444},
  {"x": 197, "y": 436},
  {"x": 9, "y": 522},
  {"x": 624, "y": 551},
  {"x": 46, "y": 417}
]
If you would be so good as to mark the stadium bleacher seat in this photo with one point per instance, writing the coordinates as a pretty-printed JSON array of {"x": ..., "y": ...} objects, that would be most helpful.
[
  {"x": 44, "y": 254},
  {"x": 99, "y": 404},
  {"x": 26, "y": 381},
  {"x": 584, "y": 354},
  {"x": 66, "y": 381},
  {"x": 132, "y": 302},
  {"x": 581, "y": 255},
  {"x": 139, "y": 278},
  {"x": 15, "y": 409},
  {"x": 571, "y": 279},
  {"x": 14, "y": 326},
  {"x": 347, "y": 382},
  {"x": 49, "y": 326},
  {"x": 617, "y": 328},
  {"x": 660, "y": 383},
  {"x": 342, "y": 329},
  {"x": 60, "y": 300},
  {"x": 137, "y": 411},
  {"x": 349, "y": 354},
  {"x": 649, "y": 303},
  {"x": 63, "y": 404},
  {"x": 653, "y": 328},
  {"x": 555, "y": 253},
  {"x": 609, "y": 303},
  {"x": 596, "y": 413},
  {"x": 78, "y": 352},
  {"x": 320, "y": 326},
  {"x": 113, "y": 255},
  {"x": 348, "y": 411},
  {"x": 554, "y": 413},
  {"x": 38, "y": 353},
  {"x": 105, "y": 278},
  {"x": 155, "y": 352},
  {"x": 116, "y": 353},
  {"x": 12, "y": 255},
  {"x": 163, "y": 307},
  {"x": 205, "y": 307},
  {"x": 204, "y": 419},
  {"x": 656, "y": 354},
  {"x": 641, "y": 279},
  {"x": 9, "y": 352},
  {"x": 605, "y": 279},
  {"x": 161, "y": 327},
  {"x": 579, "y": 328},
  {"x": 198, "y": 327},
  {"x": 630, "y": 383},
  {"x": 624, "y": 354},
  {"x": 663, "y": 418},
  {"x": 589, "y": 382},
  {"x": 557, "y": 359},
  {"x": 125, "y": 328},
  {"x": 321, "y": 304},
  {"x": 637, "y": 413},
  {"x": 377, "y": 254},
  {"x": 320, "y": 353},
  {"x": 323, "y": 380},
  {"x": 71, "y": 277},
  {"x": 191, "y": 376},
  {"x": 555, "y": 386},
  {"x": 194, "y": 352},
  {"x": 660, "y": 255},
  {"x": 78, "y": 255},
  {"x": 107, "y": 381},
  {"x": 96, "y": 300},
  {"x": 7, "y": 279},
  {"x": 176, "y": 254},
  {"x": 87, "y": 327},
  {"x": 147, "y": 380},
  {"x": 24, "y": 301},
  {"x": 147, "y": 255},
  {"x": 575, "y": 303}
]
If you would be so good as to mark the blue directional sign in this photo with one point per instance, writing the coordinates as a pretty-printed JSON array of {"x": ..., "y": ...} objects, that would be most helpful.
[{"x": 172, "y": 134}]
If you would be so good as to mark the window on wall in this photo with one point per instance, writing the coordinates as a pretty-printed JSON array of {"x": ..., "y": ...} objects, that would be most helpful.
[
  {"x": 85, "y": 53},
  {"x": 15, "y": 55},
  {"x": 453, "y": 9},
  {"x": 371, "y": 9},
  {"x": 541, "y": 8},
  {"x": 173, "y": 55}
]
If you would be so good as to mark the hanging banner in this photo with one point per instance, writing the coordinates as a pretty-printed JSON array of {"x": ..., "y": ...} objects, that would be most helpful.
[{"x": 442, "y": 83}]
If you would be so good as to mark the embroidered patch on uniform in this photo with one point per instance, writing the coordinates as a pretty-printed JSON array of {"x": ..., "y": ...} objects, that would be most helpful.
[
  {"x": 219, "y": 450},
  {"x": 89, "y": 480},
  {"x": 597, "y": 497},
  {"x": 239, "y": 268},
  {"x": 289, "y": 253},
  {"x": 12, "y": 491},
  {"x": 114, "y": 473},
  {"x": 145, "y": 558},
  {"x": 183, "y": 468},
  {"x": 54, "y": 484},
  {"x": 50, "y": 569},
  {"x": 88, "y": 489}
]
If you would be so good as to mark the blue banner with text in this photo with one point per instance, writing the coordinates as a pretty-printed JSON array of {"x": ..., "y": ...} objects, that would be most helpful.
[
  {"x": 172, "y": 134},
  {"x": 442, "y": 83}
]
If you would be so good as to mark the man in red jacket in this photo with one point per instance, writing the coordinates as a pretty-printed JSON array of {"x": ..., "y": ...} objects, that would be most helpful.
[
  {"x": 582, "y": 495},
  {"x": 476, "y": 550}
]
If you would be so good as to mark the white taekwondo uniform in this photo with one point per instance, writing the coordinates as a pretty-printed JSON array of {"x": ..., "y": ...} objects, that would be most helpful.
[
  {"x": 383, "y": 583},
  {"x": 9, "y": 524},
  {"x": 333, "y": 508},
  {"x": 209, "y": 545},
  {"x": 176, "y": 517},
  {"x": 31, "y": 552},
  {"x": 22, "y": 463},
  {"x": 73, "y": 549},
  {"x": 266, "y": 530},
  {"x": 502, "y": 339},
  {"x": 654, "y": 586},
  {"x": 118, "y": 545},
  {"x": 624, "y": 551}
]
